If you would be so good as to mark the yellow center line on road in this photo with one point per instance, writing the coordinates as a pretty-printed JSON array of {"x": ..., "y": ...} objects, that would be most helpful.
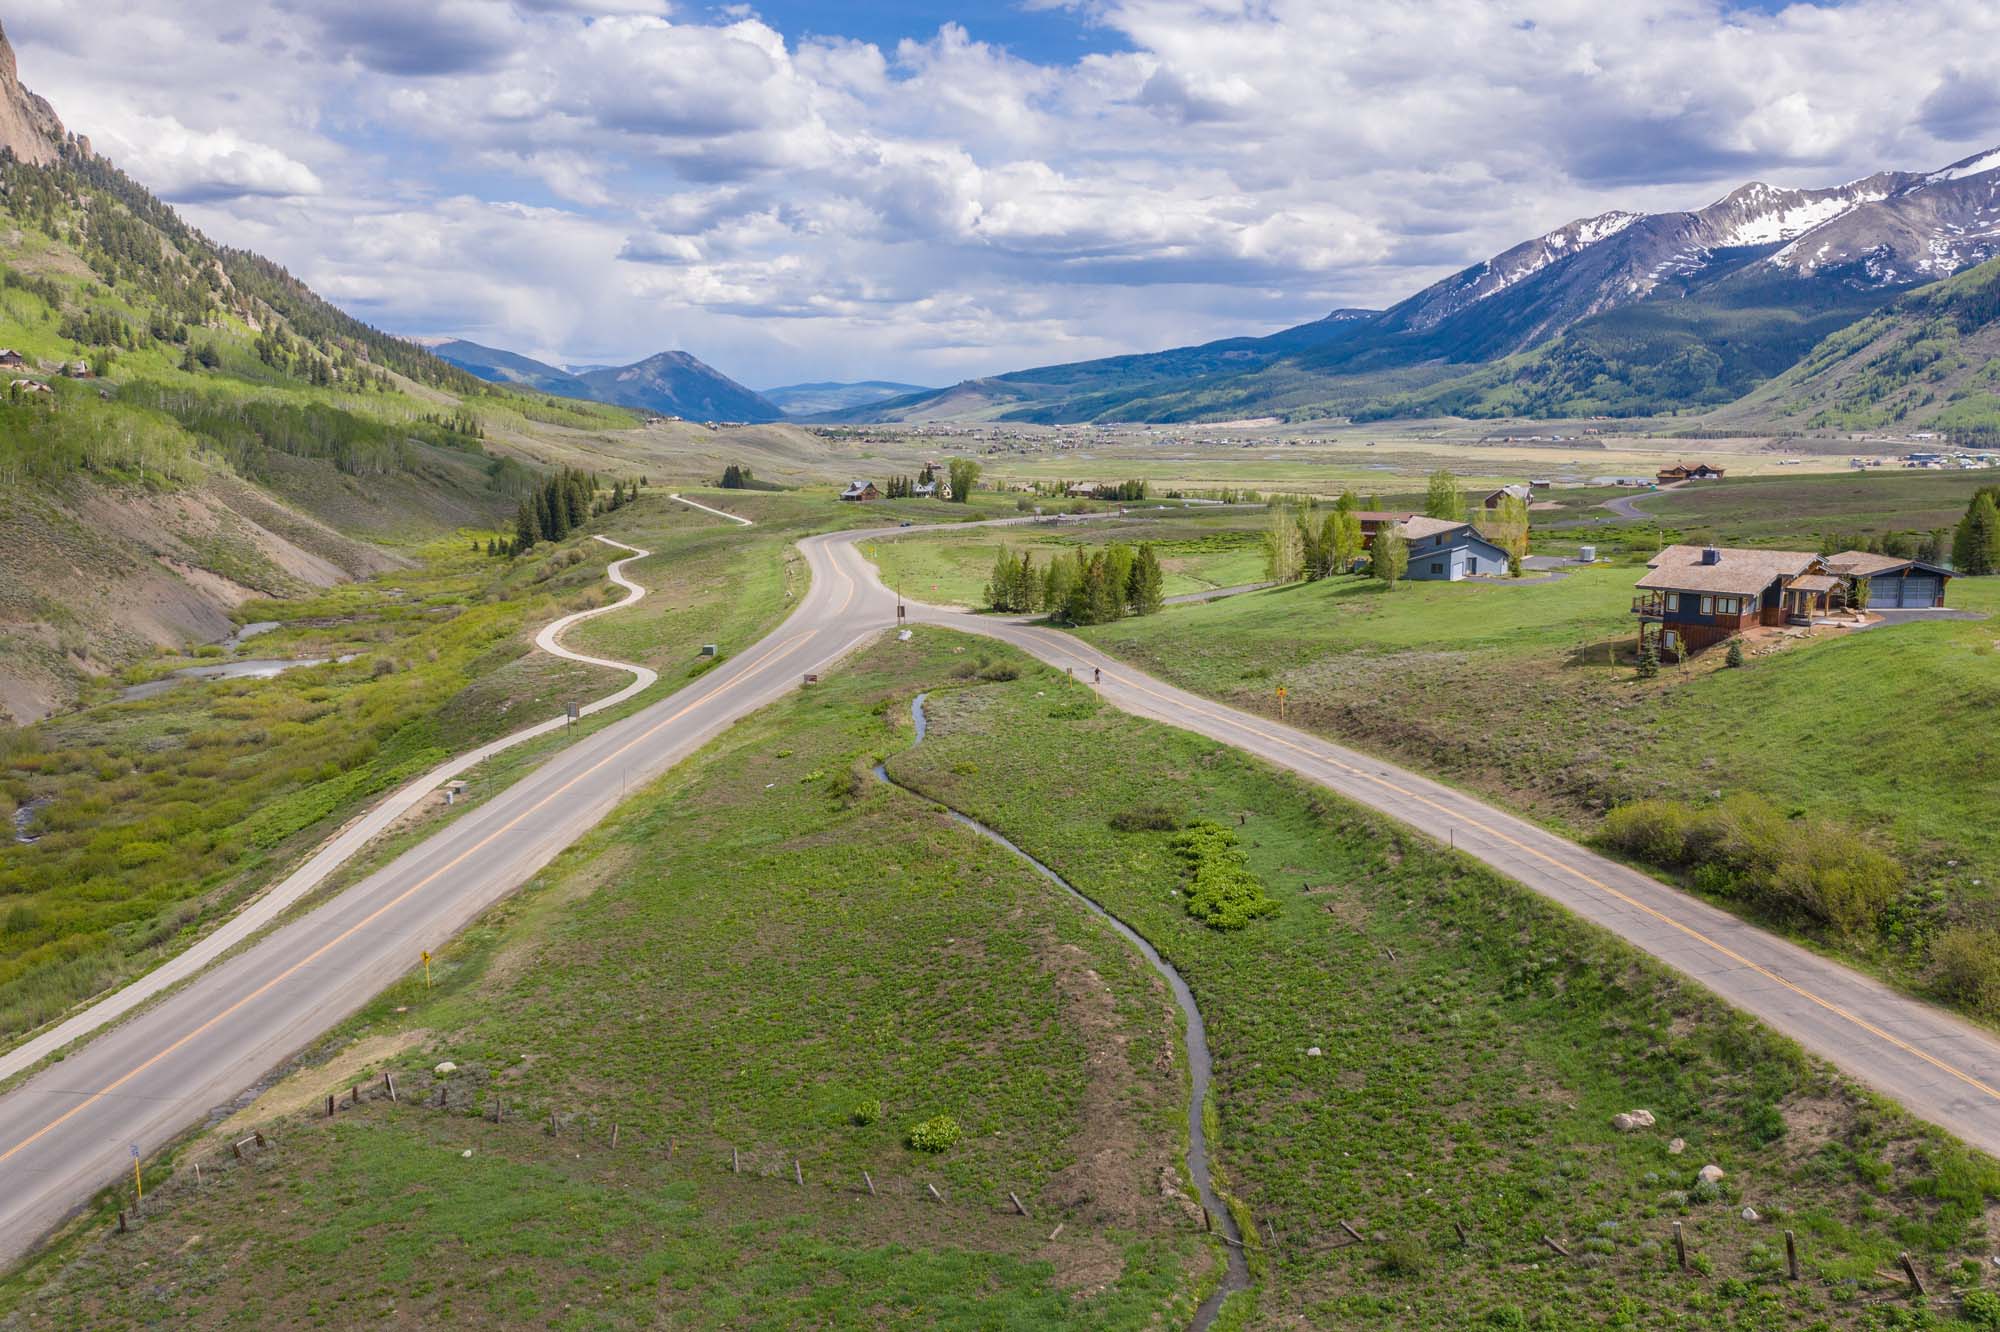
[
  {"x": 761, "y": 663},
  {"x": 1969, "y": 1079}
]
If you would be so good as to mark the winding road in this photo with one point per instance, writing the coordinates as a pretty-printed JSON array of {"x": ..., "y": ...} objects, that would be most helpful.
[
  {"x": 342, "y": 847},
  {"x": 68, "y": 1130}
]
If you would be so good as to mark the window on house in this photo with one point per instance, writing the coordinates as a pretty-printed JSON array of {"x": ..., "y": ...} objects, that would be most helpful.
[
  {"x": 1708, "y": 605},
  {"x": 1728, "y": 606},
  {"x": 1437, "y": 567}
]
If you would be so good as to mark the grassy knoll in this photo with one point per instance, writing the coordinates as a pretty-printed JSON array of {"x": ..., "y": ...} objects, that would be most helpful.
[
  {"x": 758, "y": 952},
  {"x": 157, "y": 816},
  {"x": 1476, "y": 1044},
  {"x": 1512, "y": 689},
  {"x": 1197, "y": 554}
]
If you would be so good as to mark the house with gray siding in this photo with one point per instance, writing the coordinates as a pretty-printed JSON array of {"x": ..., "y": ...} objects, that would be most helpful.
[{"x": 1445, "y": 551}]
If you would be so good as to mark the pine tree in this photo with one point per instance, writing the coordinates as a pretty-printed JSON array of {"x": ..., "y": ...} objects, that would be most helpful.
[
  {"x": 526, "y": 527},
  {"x": 1735, "y": 656},
  {"x": 1975, "y": 548},
  {"x": 1144, "y": 594}
]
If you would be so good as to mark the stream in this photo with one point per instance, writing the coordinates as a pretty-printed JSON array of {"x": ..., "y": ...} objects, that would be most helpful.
[
  {"x": 249, "y": 668},
  {"x": 1195, "y": 1039}
]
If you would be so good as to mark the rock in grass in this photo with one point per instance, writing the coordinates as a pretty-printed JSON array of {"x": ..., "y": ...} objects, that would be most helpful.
[
  {"x": 1632, "y": 1120},
  {"x": 1312, "y": 1052},
  {"x": 1749, "y": 1214},
  {"x": 1677, "y": 1146},
  {"x": 1710, "y": 1174},
  {"x": 446, "y": 1069}
]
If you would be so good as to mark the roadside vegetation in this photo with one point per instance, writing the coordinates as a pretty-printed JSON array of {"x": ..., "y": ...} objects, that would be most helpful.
[
  {"x": 767, "y": 953},
  {"x": 154, "y": 817},
  {"x": 770, "y": 953}
]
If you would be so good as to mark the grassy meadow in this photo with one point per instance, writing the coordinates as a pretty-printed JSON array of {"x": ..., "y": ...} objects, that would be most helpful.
[
  {"x": 767, "y": 947},
  {"x": 1526, "y": 692},
  {"x": 155, "y": 817},
  {"x": 768, "y": 952}
]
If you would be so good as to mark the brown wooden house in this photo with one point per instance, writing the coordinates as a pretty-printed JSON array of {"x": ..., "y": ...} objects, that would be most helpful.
[
  {"x": 1682, "y": 472},
  {"x": 1696, "y": 596}
]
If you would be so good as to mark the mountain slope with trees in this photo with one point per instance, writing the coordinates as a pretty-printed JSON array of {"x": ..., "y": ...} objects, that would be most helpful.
[{"x": 1621, "y": 314}]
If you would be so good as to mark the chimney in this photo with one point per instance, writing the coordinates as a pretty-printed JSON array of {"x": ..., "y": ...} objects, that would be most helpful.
[{"x": 1710, "y": 555}]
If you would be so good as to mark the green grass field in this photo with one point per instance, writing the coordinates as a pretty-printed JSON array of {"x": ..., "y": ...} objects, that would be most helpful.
[
  {"x": 1789, "y": 507},
  {"x": 761, "y": 945},
  {"x": 158, "y": 816},
  {"x": 1197, "y": 554},
  {"x": 767, "y": 939},
  {"x": 1526, "y": 693}
]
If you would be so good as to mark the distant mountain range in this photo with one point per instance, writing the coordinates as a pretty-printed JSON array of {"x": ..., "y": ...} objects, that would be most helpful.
[
  {"x": 812, "y": 399},
  {"x": 1619, "y": 314},
  {"x": 671, "y": 383}
]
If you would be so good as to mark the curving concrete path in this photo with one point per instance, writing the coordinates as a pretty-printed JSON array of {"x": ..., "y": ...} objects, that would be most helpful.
[{"x": 344, "y": 845}]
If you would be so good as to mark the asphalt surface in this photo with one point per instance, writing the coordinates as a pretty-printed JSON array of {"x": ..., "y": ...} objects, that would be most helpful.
[
  {"x": 69, "y": 1130},
  {"x": 1940, "y": 1067},
  {"x": 342, "y": 847}
]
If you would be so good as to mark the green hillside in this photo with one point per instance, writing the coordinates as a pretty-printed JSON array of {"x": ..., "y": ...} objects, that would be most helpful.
[
  {"x": 1931, "y": 361},
  {"x": 189, "y": 426}
]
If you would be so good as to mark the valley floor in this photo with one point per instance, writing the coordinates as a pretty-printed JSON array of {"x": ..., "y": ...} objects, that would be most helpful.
[{"x": 770, "y": 953}]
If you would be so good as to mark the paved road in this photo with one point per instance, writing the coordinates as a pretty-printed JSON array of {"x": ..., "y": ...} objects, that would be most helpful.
[
  {"x": 1942, "y": 1068},
  {"x": 343, "y": 846},
  {"x": 66, "y": 1131},
  {"x": 1214, "y": 594},
  {"x": 1627, "y": 506}
]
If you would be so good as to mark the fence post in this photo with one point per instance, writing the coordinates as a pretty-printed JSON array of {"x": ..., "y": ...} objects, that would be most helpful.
[
  {"x": 1910, "y": 1270},
  {"x": 934, "y": 1192},
  {"x": 614, "y": 1137},
  {"x": 798, "y": 1175},
  {"x": 121, "y": 1222},
  {"x": 1791, "y": 1255},
  {"x": 1459, "y": 1226},
  {"x": 869, "y": 1180},
  {"x": 389, "y": 1085},
  {"x": 329, "y": 1105},
  {"x": 735, "y": 1162},
  {"x": 1680, "y": 1246},
  {"x": 1024, "y": 1211}
]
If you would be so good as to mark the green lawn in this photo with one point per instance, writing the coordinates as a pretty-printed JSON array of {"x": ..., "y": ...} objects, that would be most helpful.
[
  {"x": 767, "y": 939},
  {"x": 1527, "y": 693},
  {"x": 1788, "y": 507}
]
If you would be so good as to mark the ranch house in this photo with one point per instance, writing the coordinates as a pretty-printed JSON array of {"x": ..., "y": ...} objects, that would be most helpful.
[
  {"x": 1682, "y": 472},
  {"x": 860, "y": 492},
  {"x": 1697, "y": 596}
]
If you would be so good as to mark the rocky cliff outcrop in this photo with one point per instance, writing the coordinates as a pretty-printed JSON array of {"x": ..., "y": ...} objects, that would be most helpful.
[{"x": 28, "y": 124}]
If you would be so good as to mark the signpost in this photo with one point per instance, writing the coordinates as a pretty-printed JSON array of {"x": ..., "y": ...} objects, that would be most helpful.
[
  {"x": 138, "y": 1183},
  {"x": 427, "y": 969},
  {"x": 1281, "y": 702},
  {"x": 573, "y": 713}
]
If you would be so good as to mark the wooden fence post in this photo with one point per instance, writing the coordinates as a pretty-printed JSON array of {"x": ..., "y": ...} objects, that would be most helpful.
[
  {"x": 934, "y": 1192},
  {"x": 798, "y": 1174},
  {"x": 1910, "y": 1270},
  {"x": 329, "y": 1105},
  {"x": 869, "y": 1180},
  {"x": 1680, "y": 1246},
  {"x": 1352, "y": 1233},
  {"x": 735, "y": 1162},
  {"x": 614, "y": 1137},
  {"x": 1463, "y": 1242},
  {"x": 1022, "y": 1210},
  {"x": 1791, "y": 1255}
]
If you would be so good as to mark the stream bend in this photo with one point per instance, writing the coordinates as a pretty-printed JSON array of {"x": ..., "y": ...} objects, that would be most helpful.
[{"x": 1194, "y": 1039}]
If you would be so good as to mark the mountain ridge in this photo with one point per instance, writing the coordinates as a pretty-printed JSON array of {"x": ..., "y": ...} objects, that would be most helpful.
[
  {"x": 1768, "y": 271},
  {"x": 670, "y": 383}
]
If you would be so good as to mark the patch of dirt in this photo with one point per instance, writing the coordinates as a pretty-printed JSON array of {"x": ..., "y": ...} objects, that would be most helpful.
[
  {"x": 1110, "y": 1181},
  {"x": 1813, "y": 1121},
  {"x": 310, "y": 1085}
]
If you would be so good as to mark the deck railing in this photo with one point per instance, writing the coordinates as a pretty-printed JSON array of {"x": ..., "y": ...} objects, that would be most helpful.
[{"x": 1652, "y": 605}]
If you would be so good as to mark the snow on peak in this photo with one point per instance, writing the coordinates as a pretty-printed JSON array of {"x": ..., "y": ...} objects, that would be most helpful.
[
  {"x": 1789, "y": 221},
  {"x": 1971, "y": 166}
]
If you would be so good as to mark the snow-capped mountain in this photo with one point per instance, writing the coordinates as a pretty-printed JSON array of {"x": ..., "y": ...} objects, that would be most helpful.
[{"x": 1929, "y": 227}]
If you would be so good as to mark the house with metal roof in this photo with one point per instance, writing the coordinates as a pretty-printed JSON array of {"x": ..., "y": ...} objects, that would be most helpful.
[{"x": 1693, "y": 597}]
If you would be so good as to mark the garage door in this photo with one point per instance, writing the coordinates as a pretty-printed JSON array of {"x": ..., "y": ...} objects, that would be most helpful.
[{"x": 1917, "y": 590}]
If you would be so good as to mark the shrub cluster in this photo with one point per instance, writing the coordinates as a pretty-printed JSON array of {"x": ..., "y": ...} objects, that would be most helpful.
[
  {"x": 1145, "y": 818},
  {"x": 933, "y": 1135},
  {"x": 1745, "y": 848},
  {"x": 1968, "y": 967},
  {"x": 1222, "y": 893}
]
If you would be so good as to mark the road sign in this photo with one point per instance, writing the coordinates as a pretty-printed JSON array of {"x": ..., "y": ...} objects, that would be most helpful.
[
  {"x": 427, "y": 968},
  {"x": 574, "y": 713}
]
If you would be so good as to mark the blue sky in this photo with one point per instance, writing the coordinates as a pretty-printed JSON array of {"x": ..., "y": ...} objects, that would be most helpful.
[{"x": 929, "y": 192}]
